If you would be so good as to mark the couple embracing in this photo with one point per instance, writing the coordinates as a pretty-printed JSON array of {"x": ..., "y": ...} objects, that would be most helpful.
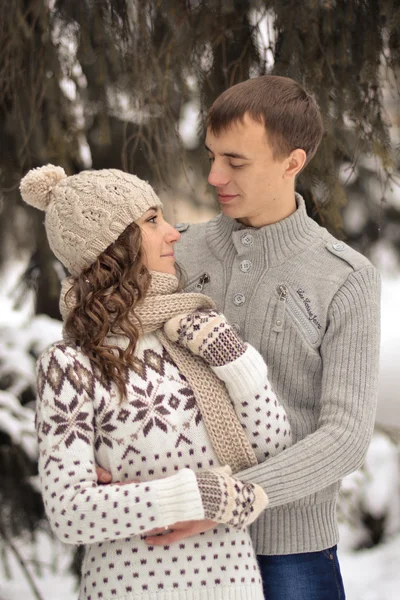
[{"x": 179, "y": 410}]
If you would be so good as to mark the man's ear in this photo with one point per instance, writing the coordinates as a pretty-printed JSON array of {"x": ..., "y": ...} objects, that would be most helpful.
[{"x": 295, "y": 162}]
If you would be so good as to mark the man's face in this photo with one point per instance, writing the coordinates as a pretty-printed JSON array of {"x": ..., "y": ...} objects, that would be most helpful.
[{"x": 251, "y": 185}]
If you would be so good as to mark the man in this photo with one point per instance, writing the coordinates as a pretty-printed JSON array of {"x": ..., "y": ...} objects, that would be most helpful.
[{"x": 309, "y": 304}]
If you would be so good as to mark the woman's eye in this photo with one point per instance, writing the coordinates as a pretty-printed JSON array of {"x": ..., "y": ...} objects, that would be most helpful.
[
  {"x": 152, "y": 219},
  {"x": 236, "y": 166},
  {"x": 211, "y": 159}
]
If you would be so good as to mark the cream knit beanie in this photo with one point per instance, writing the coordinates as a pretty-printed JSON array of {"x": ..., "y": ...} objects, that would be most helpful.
[{"x": 85, "y": 213}]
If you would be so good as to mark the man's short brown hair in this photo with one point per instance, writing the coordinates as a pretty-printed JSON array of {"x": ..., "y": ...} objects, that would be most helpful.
[{"x": 290, "y": 115}]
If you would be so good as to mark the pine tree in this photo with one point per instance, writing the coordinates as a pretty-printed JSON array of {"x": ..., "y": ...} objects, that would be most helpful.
[{"x": 112, "y": 76}]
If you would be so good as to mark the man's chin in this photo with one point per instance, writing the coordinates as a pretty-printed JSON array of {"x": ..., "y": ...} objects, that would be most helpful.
[{"x": 232, "y": 211}]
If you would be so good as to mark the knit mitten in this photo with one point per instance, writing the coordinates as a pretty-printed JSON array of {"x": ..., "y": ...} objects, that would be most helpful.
[
  {"x": 228, "y": 500},
  {"x": 206, "y": 334}
]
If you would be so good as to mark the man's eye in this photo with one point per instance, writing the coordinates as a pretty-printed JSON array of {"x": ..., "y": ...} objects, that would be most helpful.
[
  {"x": 235, "y": 166},
  {"x": 211, "y": 159}
]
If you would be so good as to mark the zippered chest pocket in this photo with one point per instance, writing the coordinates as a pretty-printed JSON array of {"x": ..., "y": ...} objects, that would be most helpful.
[
  {"x": 288, "y": 305},
  {"x": 198, "y": 283}
]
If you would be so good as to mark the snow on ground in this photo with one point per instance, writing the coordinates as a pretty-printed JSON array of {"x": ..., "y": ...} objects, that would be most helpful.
[
  {"x": 372, "y": 574},
  {"x": 54, "y": 582},
  {"x": 373, "y": 490}
]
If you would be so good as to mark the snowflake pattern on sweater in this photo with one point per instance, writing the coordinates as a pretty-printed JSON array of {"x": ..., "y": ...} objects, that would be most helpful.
[{"x": 157, "y": 438}]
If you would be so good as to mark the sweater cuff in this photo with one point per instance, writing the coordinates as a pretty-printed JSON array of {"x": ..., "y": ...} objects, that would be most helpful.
[
  {"x": 246, "y": 375},
  {"x": 178, "y": 497}
]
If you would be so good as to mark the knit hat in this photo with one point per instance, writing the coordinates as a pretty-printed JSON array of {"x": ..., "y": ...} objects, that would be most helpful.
[{"x": 85, "y": 213}]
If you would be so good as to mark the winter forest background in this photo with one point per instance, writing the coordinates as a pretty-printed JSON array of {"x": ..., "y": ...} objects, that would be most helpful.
[{"x": 126, "y": 84}]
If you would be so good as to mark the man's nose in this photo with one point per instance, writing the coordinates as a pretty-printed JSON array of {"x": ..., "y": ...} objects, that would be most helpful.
[{"x": 218, "y": 177}]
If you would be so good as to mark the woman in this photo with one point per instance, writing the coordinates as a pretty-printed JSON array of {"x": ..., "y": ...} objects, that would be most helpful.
[{"x": 137, "y": 387}]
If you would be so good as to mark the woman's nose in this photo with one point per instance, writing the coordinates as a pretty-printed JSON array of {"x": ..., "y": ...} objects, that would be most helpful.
[{"x": 172, "y": 235}]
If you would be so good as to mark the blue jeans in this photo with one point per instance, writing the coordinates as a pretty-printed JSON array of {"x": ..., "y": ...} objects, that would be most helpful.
[{"x": 308, "y": 576}]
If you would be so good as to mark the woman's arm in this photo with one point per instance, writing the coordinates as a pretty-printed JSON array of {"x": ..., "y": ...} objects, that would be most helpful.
[
  {"x": 79, "y": 510},
  {"x": 245, "y": 374},
  {"x": 261, "y": 414}
]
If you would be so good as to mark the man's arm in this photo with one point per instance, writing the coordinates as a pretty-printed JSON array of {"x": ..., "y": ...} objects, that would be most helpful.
[{"x": 350, "y": 357}]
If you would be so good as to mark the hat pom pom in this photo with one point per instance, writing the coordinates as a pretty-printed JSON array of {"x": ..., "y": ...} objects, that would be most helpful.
[{"x": 37, "y": 185}]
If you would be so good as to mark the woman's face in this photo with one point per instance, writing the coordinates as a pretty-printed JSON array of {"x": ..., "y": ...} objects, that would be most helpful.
[{"x": 158, "y": 240}]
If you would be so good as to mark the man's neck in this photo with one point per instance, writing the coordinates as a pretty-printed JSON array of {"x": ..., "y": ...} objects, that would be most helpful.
[{"x": 276, "y": 212}]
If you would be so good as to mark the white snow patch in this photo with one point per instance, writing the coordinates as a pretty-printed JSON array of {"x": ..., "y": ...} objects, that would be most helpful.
[
  {"x": 385, "y": 258},
  {"x": 372, "y": 574},
  {"x": 9, "y": 277},
  {"x": 389, "y": 378},
  {"x": 355, "y": 216},
  {"x": 188, "y": 125},
  {"x": 381, "y": 497},
  {"x": 48, "y": 563},
  {"x": 373, "y": 490},
  {"x": 348, "y": 173},
  {"x": 34, "y": 337},
  {"x": 207, "y": 58},
  {"x": 18, "y": 422},
  {"x": 68, "y": 87},
  {"x": 16, "y": 366},
  {"x": 128, "y": 108},
  {"x": 392, "y": 192},
  {"x": 263, "y": 21}
]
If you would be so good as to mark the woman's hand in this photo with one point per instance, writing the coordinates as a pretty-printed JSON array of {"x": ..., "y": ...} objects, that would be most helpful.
[
  {"x": 174, "y": 533},
  {"x": 178, "y": 531},
  {"x": 103, "y": 476},
  {"x": 206, "y": 333}
]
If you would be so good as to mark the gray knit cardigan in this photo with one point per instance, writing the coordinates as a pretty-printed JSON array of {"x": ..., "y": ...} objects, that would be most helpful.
[{"x": 310, "y": 305}]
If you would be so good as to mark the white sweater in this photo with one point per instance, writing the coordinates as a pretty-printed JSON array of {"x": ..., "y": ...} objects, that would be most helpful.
[{"x": 157, "y": 437}]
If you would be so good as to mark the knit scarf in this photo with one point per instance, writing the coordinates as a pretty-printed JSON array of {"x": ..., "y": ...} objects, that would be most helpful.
[{"x": 161, "y": 303}]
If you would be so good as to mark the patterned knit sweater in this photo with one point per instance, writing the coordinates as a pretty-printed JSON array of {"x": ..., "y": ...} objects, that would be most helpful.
[{"x": 157, "y": 438}]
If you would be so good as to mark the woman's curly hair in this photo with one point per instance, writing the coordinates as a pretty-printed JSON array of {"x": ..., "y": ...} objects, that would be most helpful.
[{"x": 106, "y": 295}]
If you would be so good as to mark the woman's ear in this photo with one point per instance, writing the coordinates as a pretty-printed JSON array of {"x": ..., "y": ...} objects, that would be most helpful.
[{"x": 295, "y": 162}]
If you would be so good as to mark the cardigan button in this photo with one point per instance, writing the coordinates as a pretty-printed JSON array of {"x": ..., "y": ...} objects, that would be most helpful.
[
  {"x": 245, "y": 266},
  {"x": 236, "y": 327},
  {"x": 338, "y": 246},
  {"x": 247, "y": 239},
  {"x": 239, "y": 299}
]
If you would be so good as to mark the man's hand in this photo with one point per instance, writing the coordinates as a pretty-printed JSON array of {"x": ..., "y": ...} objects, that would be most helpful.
[{"x": 178, "y": 531}]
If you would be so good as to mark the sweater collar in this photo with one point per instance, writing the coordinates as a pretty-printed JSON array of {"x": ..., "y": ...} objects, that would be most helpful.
[{"x": 280, "y": 240}]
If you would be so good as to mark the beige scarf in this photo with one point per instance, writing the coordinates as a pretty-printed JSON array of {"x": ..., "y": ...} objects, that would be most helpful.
[{"x": 161, "y": 303}]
